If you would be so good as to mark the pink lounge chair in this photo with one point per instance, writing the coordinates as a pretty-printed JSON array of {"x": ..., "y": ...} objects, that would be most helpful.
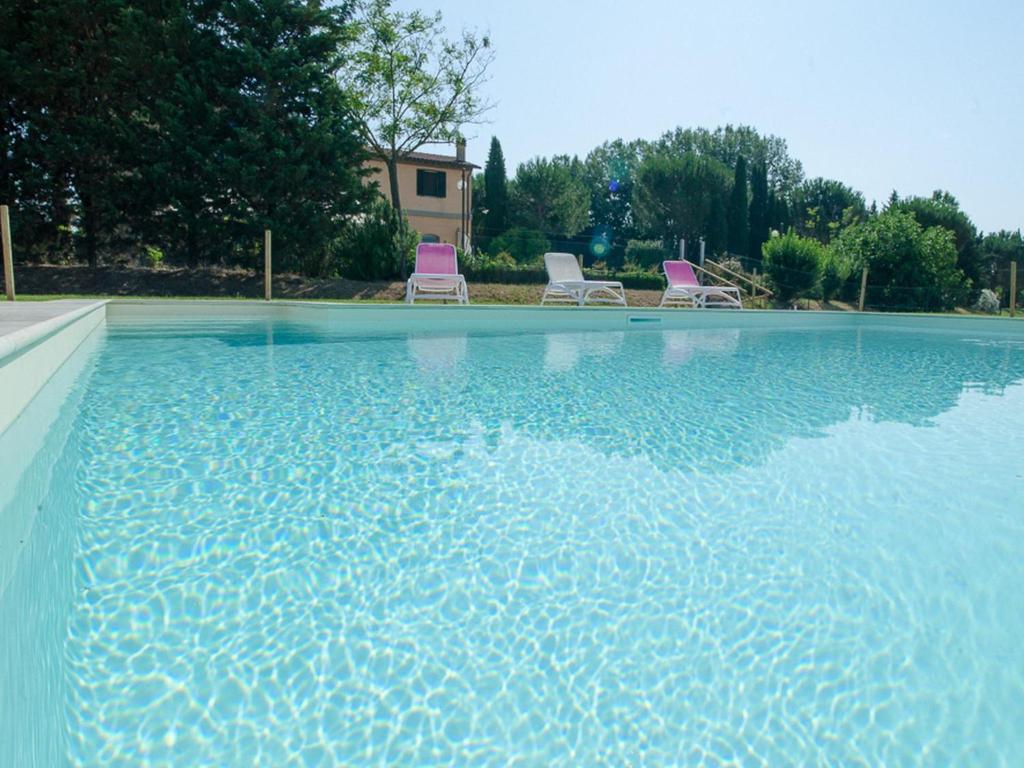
[
  {"x": 684, "y": 289},
  {"x": 436, "y": 275}
]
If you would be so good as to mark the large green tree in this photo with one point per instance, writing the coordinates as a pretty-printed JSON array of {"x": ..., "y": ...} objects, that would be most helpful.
[
  {"x": 495, "y": 191},
  {"x": 943, "y": 210},
  {"x": 293, "y": 157},
  {"x": 824, "y": 207},
  {"x": 185, "y": 121},
  {"x": 730, "y": 142},
  {"x": 609, "y": 171},
  {"x": 67, "y": 91},
  {"x": 682, "y": 196},
  {"x": 190, "y": 126},
  {"x": 550, "y": 196}
]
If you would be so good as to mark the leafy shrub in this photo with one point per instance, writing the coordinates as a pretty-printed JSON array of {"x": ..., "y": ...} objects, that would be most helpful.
[
  {"x": 537, "y": 275},
  {"x": 526, "y": 246},
  {"x": 646, "y": 254},
  {"x": 909, "y": 267},
  {"x": 373, "y": 244},
  {"x": 645, "y": 280},
  {"x": 835, "y": 274},
  {"x": 988, "y": 302},
  {"x": 794, "y": 265},
  {"x": 154, "y": 257},
  {"x": 481, "y": 260}
]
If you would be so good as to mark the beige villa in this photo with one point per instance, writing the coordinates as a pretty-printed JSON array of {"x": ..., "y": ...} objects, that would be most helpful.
[{"x": 436, "y": 193}]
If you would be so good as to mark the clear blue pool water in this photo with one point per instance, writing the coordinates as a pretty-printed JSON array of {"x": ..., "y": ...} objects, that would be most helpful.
[{"x": 272, "y": 544}]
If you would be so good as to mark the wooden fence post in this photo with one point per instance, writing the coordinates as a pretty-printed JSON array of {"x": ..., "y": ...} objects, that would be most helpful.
[
  {"x": 267, "y": 273},
  {"x": 863, "y": 289},
  {"x": 5, "y": 225},
  {"x": 1013, "y": 289}
]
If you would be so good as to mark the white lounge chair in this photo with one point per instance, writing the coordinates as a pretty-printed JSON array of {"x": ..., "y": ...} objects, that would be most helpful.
[
  {"x": 436, "y": 275},
  {"x": 566, "y": 283},
  {"x": 685, "y": 289}
]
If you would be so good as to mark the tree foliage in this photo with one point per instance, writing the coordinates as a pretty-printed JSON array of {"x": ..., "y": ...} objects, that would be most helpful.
[
  {"x": 729, "y": 143},
  {"x": 824, "y": 207},
  {"x": 996, "y": 251},
  {"x": 760, "y": 215},
  {"x": 189, "y": 127},
  {"x": 943, "y": 210},
  {"x": 550, "y": 196},
  {"x": 525, "y": 245},
  {"x": 609, "y": 171},
  {"x": 646, "y": 254},
  {"x": 374, "y": 244},
  {"x": 909, "y": 267},
  {"x": 682, "y": 197},
  {"x": 739, "y": 210}
]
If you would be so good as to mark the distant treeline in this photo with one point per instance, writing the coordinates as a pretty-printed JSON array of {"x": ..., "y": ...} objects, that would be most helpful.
[{"x": 632, "y": 202}]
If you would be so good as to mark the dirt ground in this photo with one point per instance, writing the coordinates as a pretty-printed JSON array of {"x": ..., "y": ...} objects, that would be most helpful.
[{"x": 223, "y": 283}]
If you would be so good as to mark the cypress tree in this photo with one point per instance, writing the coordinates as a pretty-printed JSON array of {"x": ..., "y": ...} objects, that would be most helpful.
[
  {"x": 779, "y": 215},
  {"x": 759, "y": 212},
  {"x": 495, "y": 191},
  {"x": 716, "y": 229},
  {"x": 739, "y": 212}
]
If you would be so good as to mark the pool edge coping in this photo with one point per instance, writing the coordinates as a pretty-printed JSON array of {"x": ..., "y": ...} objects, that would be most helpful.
[{"x": 17, "y": 342}]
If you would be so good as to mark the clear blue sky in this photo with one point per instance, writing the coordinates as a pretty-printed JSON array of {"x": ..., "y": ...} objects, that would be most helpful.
[{"x": 906, "y": 94}]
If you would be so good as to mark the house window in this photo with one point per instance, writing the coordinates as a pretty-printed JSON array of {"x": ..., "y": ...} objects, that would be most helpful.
[
  {"x": 431, "y": 183},
  {"x": 430, "y": 239}
]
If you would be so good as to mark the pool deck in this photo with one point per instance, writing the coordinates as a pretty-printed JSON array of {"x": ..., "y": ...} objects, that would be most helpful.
[
  {"x": 17, "y": 317},
  {"x": 35, "y": 340}
]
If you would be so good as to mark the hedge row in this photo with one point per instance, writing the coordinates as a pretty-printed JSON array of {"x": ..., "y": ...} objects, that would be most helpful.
[{"x": 539, "y": 276}]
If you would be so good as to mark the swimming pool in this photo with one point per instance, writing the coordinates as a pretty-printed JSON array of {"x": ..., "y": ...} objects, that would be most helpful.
[{"x": 257, "y": 540}]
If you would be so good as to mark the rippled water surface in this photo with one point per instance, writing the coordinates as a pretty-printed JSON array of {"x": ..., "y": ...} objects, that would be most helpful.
[{"x": 678, "y": 547}]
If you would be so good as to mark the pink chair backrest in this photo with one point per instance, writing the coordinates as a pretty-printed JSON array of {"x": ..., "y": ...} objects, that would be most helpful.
[
  {"x": 680, "y": 273},
  {"x": 436, "y": 259}
]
